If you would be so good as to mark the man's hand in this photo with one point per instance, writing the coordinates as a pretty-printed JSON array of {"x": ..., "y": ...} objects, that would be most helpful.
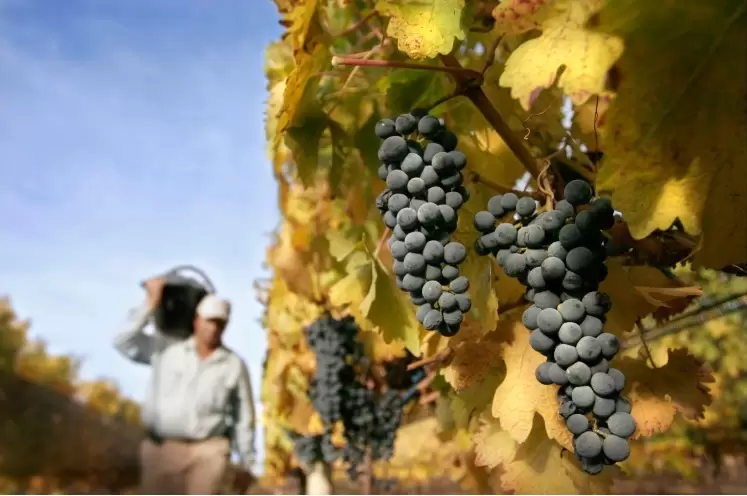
[{"x": 153, "y": 291}]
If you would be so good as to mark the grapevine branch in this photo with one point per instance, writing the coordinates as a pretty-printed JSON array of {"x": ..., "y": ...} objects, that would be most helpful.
[{"x": 394, "y": 64}]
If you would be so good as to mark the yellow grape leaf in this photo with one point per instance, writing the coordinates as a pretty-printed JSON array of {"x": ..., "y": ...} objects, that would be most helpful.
[
  {"x": 539, "y": 466},
  {"x": 674, "y": 136},
  {"x": 472, "y": 361},
  {"x": 520, "y": 395},
  {"x": 475, "y": 399},
  {"x": 385, "y": 307},
  {"x": 493, "y": 445},
  {"x": 658, "y": 395},
  {"x": 340, "y": 247},
  {"x": 423, "y": 29},
  {"x": 302, "y": 21},
  {"x": 629, "y": 304},
  {"x": 584, "y": 56}
]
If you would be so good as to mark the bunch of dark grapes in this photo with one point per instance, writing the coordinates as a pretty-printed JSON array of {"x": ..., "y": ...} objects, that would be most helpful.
[
  {"x": 311, "y": 449},
  {"x": 560, "y": 256},
  {"x": 370, "y": 420},
  {"x": 422, "y": 170}
]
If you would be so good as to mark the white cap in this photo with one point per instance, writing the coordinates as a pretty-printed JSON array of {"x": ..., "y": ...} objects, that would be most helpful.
[{"x": 212, "y": 307}]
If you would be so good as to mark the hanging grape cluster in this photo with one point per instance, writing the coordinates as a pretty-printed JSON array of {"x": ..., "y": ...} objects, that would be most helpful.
[
  {"x": 370, "y": 420},
  {"x": 422, "y": 170},
  {"x": 560, "y": 256}
]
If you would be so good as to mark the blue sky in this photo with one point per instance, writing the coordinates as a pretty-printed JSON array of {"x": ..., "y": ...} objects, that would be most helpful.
[{"x": 131, "y": 140}]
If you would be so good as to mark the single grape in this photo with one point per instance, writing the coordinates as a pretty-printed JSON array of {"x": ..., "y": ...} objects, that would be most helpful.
[
  {"x": 416, "y": 203},
  {"x": 603, "y": 407},
  {"x": 505, "y": 233},
  {"x": 416, "y": 186},
  {"x": 597, "y": 304},
  {"x": 412, "y": 165},
  {"x": 448, "y": 215},
  {"x": 459, "y": 159},
  {"x": 484, "y": 222},
  {"x": 586, "y": 221},
  {"x": 577, "y": 424},
  {"x": 385, "y": 128},
  {"x": 542, "y": 373},
  {"x": 390, "y": 220},
  {"x": 565, "y": 355},
  {"x": 531, "y": 236},
  {"x": 429, "y": 214},
  {"x": 430, "y": 176},
  {"x": 414, "y": 263},
  {"x": 566, "y": 208},
  {"x": 399, "y": 250},
  {"x": 589, "y": 349},
  {"x": 422, "y": 311},
  {"x": 616, "y": 448},
  {"x": 398, "y": 233},
  {"x": 526, "y": 206},
  {"x": 433, "y": 320},
  {"x": 399, "y": 268},
  {"x": 578, "y": 374},
  {"x": 412, "y": 282},
  {"x": 450, "y": 272},
  {"x": 464, "y": 302},
  {"x": 495, "y": 207},
  {"x": 570, "y": 333},
  {"x": 558, "y": 376},
  {"x": 509, "y": 201},
  {"x": 556, "y": 250},
  {"x": 622, "y": 406},
  {"x": 453, "y": 318},
  {"x": 406, "y": 124},
  {"x": 431, "y": 150},
  {"x": 572, "y": 281},
  {"x": 552, "y": 221},
  {"x": 447, "y": 301},
  {"x": 415, "y": 241},
  {"x": 433, "y": 272},
  {"x": 553, "y": 269},
  {"x": 454, "y": 199},
  {"x": 592, "y": 466},
  {"x": 432, "y": 291},
  {"x": 600, "y": 366},
  {"x": 583, "y": 397},
  {"x": 541, "y": 343},
  {"x": 567, "y": 408},
  {"x": 570, "y": 237},
  {"x": 603, "y": 384},
  {"x": 441, "y": 162},
  {"x": 535, "y": 279},
  {"x": 577, "y": 192},
  {"x": 459, "y": 285},
  {"x": 619, "y": 379},
  {"x": 621, "y": 424},
  {"x": 447, "y": 139},
  {"x": 546, "y": 299},
  {"x": 535, "y": 257},
  {"x": 433, "y": 252},
  {"x": 383, "y": 172},
  {"x": 407, "y": 219},
  {"x": 489, "y": 242},
  {"x": 428, "y": 126},
  {"x": 610, "y": 344},
  {"x": 592, "y": 326},
  {"x": 572, "y": 310},
  {"x": 549, "y": 321},
  {"x": 436, "y": 195},
  {"x": 515, "y": 264},
  {"x": 454, "y": 253},
  {"x": 529, "y": 317}
]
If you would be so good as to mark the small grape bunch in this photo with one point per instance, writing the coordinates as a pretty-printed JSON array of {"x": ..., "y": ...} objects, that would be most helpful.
[{"x": 424, "y": 192}]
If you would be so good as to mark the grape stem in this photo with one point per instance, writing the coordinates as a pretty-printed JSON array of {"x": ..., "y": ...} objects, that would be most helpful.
[
  {"x": 355, "y": 27},
  {"x": 466, "y": 74},
  {"x": 382, "y": 240},
  {"x": 503, "y": 189},
  {"x": 480, "y": 100},
  {"x": 438, "y": 357}
]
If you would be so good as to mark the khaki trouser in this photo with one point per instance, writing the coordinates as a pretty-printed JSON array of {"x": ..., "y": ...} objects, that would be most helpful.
[{"x": 175, "y": 467}]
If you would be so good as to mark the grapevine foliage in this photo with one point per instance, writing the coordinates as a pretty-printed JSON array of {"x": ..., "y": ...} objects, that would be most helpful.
[{"x": 498, "y": 80}]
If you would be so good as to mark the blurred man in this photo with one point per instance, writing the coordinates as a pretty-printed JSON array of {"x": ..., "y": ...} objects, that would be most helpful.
[{"x": 199, "y": 400}]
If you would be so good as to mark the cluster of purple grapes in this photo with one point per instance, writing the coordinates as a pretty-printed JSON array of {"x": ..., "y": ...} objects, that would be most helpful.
[
  {"x": 425, "y": 190},
  {"x": 560, "y": 256}
]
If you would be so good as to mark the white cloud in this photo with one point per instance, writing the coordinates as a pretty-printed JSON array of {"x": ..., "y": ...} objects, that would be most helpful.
[{"x": 119, "y": 162}]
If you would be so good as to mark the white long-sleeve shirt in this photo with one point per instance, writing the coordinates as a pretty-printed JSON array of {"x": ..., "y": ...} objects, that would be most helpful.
[{"x": 189, "y": 397}]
